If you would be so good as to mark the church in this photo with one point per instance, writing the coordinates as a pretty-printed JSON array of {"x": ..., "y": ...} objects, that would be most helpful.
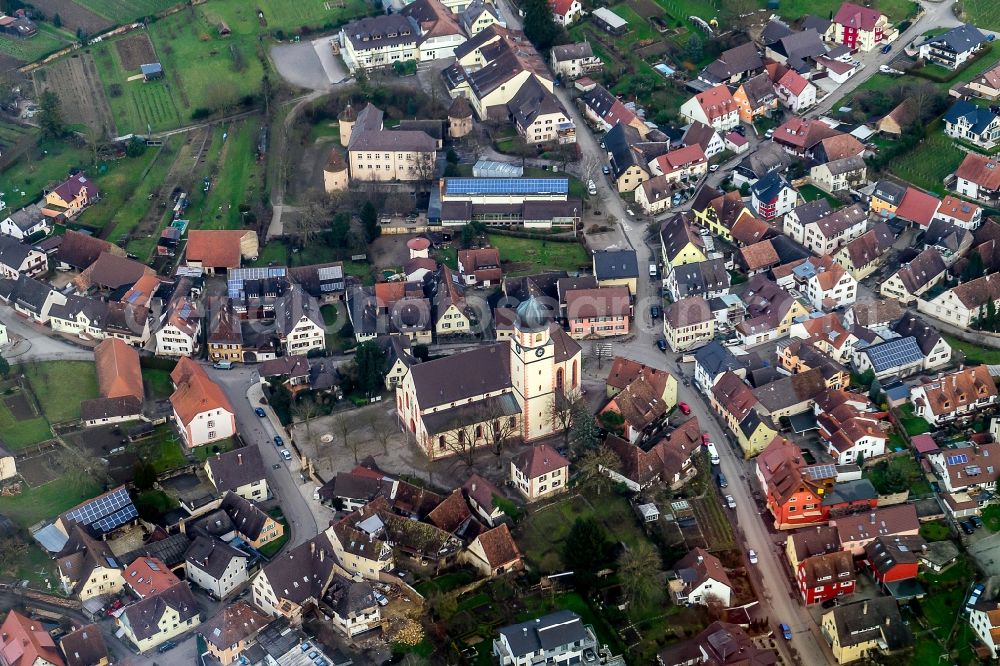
[{"x": 508, "y": 387}]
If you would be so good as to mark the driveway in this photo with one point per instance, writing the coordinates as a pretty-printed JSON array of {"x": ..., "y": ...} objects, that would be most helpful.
[{"x": 33, "y": 342}]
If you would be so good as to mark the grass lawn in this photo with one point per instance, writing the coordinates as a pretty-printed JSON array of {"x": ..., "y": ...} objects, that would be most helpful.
[
  {"x": 289, "y": 17},
  {"x": 36, "y": 567},
  {"x": 938, "y": 530},
  {"x": 984, "y": 14},
  {"x": 540, "y": 536},
  {"x": 48, "y": 40},
  {"x": 913, "y": 424},
  {"x": 896, "y": 10},
  {"x": 123, "y": 11},
  {"x": 274, "y": 252},
  {"x": 812, "y": 193},
  {"x": 42, "y": 165},
  {"x": 20, "y": 434},
  {"x": 638, "y": 27},
  {"x": 237, "y": 178},
  {"x": 574, "y": 602},
  {"x": 532, "y": 255},
  {"x": 272, "y": 548},
  {"x": 158, "y": 381},
  {"x": 974, "y": 353},
  {"x": 907, "y": 466},
  {"x": 120, "y": 182},
  {"x": 931, "y": 162},
  {"x": 60, "y": 386},
  {"x": 163, "y": 449},
  {"x": 444, "y": 583},
  {"x": 203, "y": 452},
  {"x": 46, "y": 501},
  {"x": 991, "y": 517},
  {"x": 137, "y": 105}
]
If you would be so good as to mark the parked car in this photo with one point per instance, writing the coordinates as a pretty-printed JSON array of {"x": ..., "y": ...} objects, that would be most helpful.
[
  {"x": 730, "y": 501},
  {"x": 380, "y": 598},
  {"x": 606, "y": 170},
  {"x": 286, "y": 454},
  {"x": 662, "y": 344},
  {"x": 713, "y": 168},
  {"x": 278, "y": 441},
  {"x": 967, "y": 526},
  {"x": 655, "y": 312},
  {"x": 886, "y": 48},
  {"x": 786, "y": 631},
  {"x": 223, "y": 365},
  {"x": 713, "y": 454},
  {"x": 721, "y": 479},
  {"x": 259, "y": 411},
  {"x": 976, "y": 521},
  {"x": 684, "y": 407},
  {"x": 705, "y": 441},
  {"x": 752, "y": 555},
  {"x": 166, "y": 647}
]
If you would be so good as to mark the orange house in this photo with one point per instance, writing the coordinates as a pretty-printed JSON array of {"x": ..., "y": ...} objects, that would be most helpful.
[{"x": 794, "y": 491}]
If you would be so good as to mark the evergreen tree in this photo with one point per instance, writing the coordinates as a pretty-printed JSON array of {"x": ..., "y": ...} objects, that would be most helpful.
[
  {"x": 586, "y": 551},
  {"x": 974, "y": 267},
  {"x": 584, "y": 433},
  {"x": 50, "y": 116},
  {"x": 369, "y": 221},
  {"x": 368, "y": 361},
  {"x": 694, "y": 49},
  {"x": 539, "y": 25}
]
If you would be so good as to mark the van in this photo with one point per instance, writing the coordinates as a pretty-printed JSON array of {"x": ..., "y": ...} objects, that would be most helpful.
[
  {"x": 713, "y": 453},
  {"x": 721, "y": 478},
  {"x": 652, "y": 269},
  {"x": 591, "y": 188},
  {"x": 223, "y": 365}
]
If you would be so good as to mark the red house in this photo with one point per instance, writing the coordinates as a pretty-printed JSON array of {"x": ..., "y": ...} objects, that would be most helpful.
[
  {"x": 824, "y": 577},
  {"x": 794, "y": 490},
  {"x": 894, "y": 558}
]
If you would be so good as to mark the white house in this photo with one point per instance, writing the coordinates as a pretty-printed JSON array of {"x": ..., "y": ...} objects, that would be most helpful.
[
  {"x": 984, "y": 618},
  {"x": 25, "y": 222},
  {"x": 299, "y": 322},
  {"x": 202, "y": 411},
  {"x": 701, "y": 579},
  {"x": 566, "y": 11},
  {"x": 953, "y": 48},
  {"x": 17, "y": 258},
  {"x": 830, "y": 286},
  {"x": 714, "y": 107},
  {"x": 795, "y": 91},
  {"x": 215, "y": 566},
  {"x": 978, "y": 125}
]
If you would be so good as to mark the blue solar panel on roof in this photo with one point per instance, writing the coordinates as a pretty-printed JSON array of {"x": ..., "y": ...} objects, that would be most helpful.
[
  {"x": 105, "y": 513},
  {"x": 894, "y": 353},
  {"x": 506, "y": 185}
]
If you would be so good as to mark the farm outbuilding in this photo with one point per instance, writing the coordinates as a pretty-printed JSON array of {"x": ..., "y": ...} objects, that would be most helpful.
[
  {"x": 152, "y": 71},
  {"x": 608, "y": 21}
]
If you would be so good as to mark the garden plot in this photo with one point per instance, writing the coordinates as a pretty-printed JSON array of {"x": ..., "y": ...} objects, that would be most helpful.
[
  {"x": 21, "y": 425},
  {"x": 41, "y": 467},
  {"x": 76, "y": 82},
  {"x": 134, "y": 51},
  {"x": 124, "y": 11},
  {"x": 74, "y": 16}
]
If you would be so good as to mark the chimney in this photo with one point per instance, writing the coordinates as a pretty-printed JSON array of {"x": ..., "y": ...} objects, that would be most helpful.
[
  {"x": 864, "y": 609},
  {"x": 312, "y": 547},
  {"x": 322, "y": 554},
  {"x": 888, "y": 620},
  {"x": 700, "y": 559},
  {"x": 239, "y": 458}
]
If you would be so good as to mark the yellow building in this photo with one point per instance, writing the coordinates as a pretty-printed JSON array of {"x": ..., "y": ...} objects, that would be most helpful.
[
  {"x": 863, "y": 628},
  {"x": 680, "y": 244},
  {"x": 378, "y": 154},
  {"x": 616, "y": 268},
  {"x": 885, "y": 198},
  {"x": 159, "y": 617},
  {"x": 688, "y": 323}
]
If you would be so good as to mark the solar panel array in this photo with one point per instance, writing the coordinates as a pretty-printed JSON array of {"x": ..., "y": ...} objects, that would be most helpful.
[
  {"x": 895, "y": 353},
  {"x": 238, "y": 276},
  {"x": 106, "y": 513},
  {"x": 506, "y": 186},
  {"x": 958, "y": 459},
  {"x": 821, "y": 471},
  {"x": 330, "y": 272}
]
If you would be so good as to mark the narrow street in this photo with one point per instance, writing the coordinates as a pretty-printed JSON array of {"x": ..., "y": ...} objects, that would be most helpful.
[{"x": 283, "y": 477}]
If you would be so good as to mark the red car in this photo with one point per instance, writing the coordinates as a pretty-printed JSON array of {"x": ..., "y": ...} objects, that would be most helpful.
[
  {"x": 705, "y": 441},
  {"x": 683, "y": 406}
]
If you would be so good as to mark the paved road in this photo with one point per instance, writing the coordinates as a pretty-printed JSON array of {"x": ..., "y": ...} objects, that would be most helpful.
[
  {"x": 285, "y": 483},
  {"x": 935, "y": 15},
  {"x": 32, "y": 342}
]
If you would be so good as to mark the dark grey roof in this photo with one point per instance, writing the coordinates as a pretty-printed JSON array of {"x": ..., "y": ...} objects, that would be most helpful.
[
  {"x": 773, "y": 31},
  {"x": 351, "y": 486},
  {"x": 531, "y": 101},
  {"x": 889, "y": 191},
  {"x": 769, "y": 187},
  {"x": 248, "y": 518},
  {"x": 572, "y": 51},
  {"x": 926, "y": 335},
  {"x": 292, "y": 306},
  {"x": 446, "y": 380},
  {"x": 759, "y": 90},
  {"x": 619, "y": 141},
  {"x": 212, "y": 555},
  {"x": 616, "y": 264},
  {"x": 30, "y": 294},
  {"x": 85, "y": 646},
  {"x": 469, "y": 413},
  {"x": 544, "y": 633},
  {"x": 800, "y": 47},
  {"x": 820, "y": 25},
  {"x": 700, "y": 278},
  {"x": 373, "y": 32},
  {"x": 302, "y": 572},
  {"x": 169, "y": 550},
  {"x": 348, "y": 598},
  {"x": 236, "y": 468},
  {"x": 144, "y": 615},
  {"x": 871, "y": 620},
  {"x": 812, "y": 211},
  {"x": 959, "y": 40},
  {"x": 737, "y": 60},
  {"x": 716, "y": 359},
  {"x": 13, "y": 252},
  {"x": 27, "y": 217},
  {"x": 850, "y": 491}
]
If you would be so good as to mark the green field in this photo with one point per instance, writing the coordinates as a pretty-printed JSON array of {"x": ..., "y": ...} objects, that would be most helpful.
[
  {"x": 983, "y": 14},
  {"x": 973, "y": 352},
  {"x": 47, "y": 41},
  {"x": 60, "y": 386},
  {"x": 931, "y": 162},
  {"x": 42, "y": 165},
  {"x": 241, "y": 16},
  {"x": 535, "y": 255},
  {"x": 142, "y": 105},
  {"x": 17, "y": 435},
  {"x": 237, "y": 177},
  {"x": 123, "y": 11},
  {"x": 46, "y": 501}
]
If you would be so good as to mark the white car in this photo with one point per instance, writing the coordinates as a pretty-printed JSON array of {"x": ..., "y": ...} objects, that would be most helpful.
[
  {"x": 730, "y": 501},
  {"x": 286, "y": 454},
  {"x": 753, "y": 556},
  {"x": 713, "y": 168}
]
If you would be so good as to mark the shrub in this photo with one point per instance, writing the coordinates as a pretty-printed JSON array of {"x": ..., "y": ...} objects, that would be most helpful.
[{"x": 200, "y": 113}]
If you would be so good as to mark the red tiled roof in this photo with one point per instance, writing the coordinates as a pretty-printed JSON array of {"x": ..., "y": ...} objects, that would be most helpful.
[
  {"x": 538, "y": 460},
  {"x": 981, "y": 170},
  {"x": 793, "y": 82},
  {"x": 149, "y": 575},
  {"x": 499, "y": 546},
  {"x": 215, "y": 248},
  {"x": 195, "y": 392},
  {"x": 118, "y": 371},
  {"x": 852, "y": 16},
  {"x": 23, "y": 642},
  {"x": 716, "y": 102},
  {"x": 918, "y": 206}
]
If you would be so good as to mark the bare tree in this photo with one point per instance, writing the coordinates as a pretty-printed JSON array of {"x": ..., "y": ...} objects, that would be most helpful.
[
  {"x": 425, "y": 169},
  {"x": 589, "y": 166},
  {"x": 305, "y": 410},
  {"x": 381, "y": 430},
  {"x": 462, "y": 442},
  {"x": 739, "y": 13},
  {"x": 638, "y": 569},
  {"x": 593, "y": 468},
  {"x": 499, "y": 430},
  {"x": 80, "y": 470},
  {"x": 563, "y": 410},
  {"x": 11, "y": 550},
  {"x": 344, "y": 427},
  {"x": 317, "y": 212}
]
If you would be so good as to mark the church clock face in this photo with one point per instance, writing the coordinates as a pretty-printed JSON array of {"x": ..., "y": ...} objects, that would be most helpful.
[
  {"x": 517, "y": 347},
  {"x": 540, "y": 352}
]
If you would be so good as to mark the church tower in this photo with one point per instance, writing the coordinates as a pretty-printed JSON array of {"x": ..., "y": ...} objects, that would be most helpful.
[{"x": 532, "y": 356}]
